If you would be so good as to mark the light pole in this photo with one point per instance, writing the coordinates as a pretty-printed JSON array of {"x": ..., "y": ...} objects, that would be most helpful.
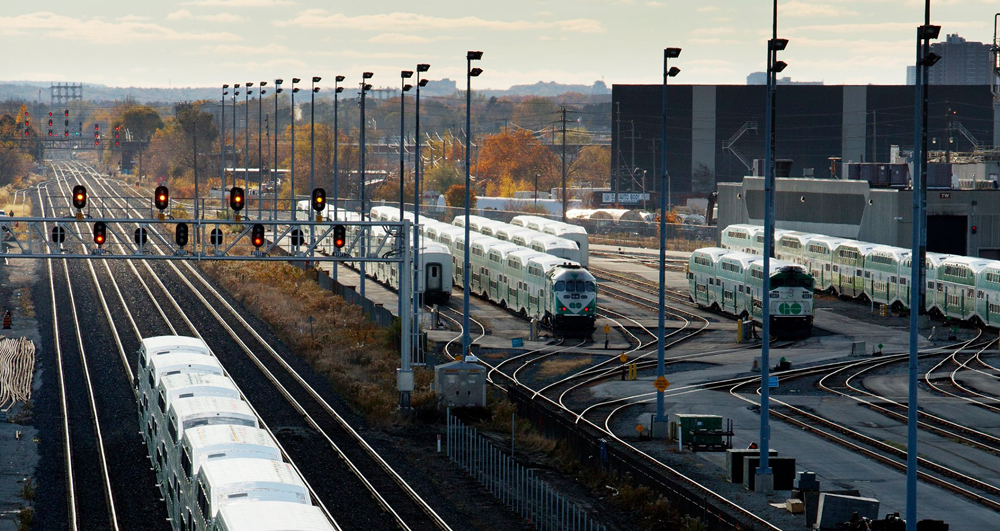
[
  {"x": 470, "y": 73},
  {"x": 312, "y": 151},
  {"x": 337, "y": 89},
  {"x": 365, "y": 87},
  {"x": 668, "y": 72},
  {"x": 537, "y": 175},
  {"x": 274, "y": 164},
  {"x": 404, "y": 86},
  {"x": 222, "y": 127},
  {"x": 293, "y": 207},
  {"x": 246, "y": 129},
  {"x": 260, "y": 148},
  {"x": 918, "y": 256},
  {"x": 236, "y": 92},
  {"x": 765, "y": 480},
  {"x": 418, "y": 302}
]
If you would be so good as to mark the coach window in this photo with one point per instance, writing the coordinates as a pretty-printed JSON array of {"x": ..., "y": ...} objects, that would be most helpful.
[
  {"x": 591, "y": 287},
  {"x": 560, "y": 286}
]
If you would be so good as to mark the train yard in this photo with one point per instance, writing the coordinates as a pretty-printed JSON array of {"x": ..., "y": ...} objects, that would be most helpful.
[{"x": 838, "y": 415}]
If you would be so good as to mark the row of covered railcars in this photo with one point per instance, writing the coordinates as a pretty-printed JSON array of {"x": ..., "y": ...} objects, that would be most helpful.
[
  {"x": 216, "y": 468},
  {"x": 558, "y": 292},
  {"x": 732, "y": 282},
  {"x": 959, "y": 287}
]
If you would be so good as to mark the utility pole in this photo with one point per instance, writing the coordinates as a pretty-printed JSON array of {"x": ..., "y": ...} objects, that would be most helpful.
[
  {"x": 874, "y": 136},
  {"x": 564, "y": 164}
]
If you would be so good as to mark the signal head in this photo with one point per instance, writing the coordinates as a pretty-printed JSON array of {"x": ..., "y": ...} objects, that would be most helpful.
[
  {"x": 161, "y": 197},
  {"x": 339, "y": 236},
  {"x": 319, "y": 199},
  {"x": 237, "y": 200},
  {"x": 79, "y": 196},
  {"x": 257, "y": 235},
  {"x": 100, "y": 233},
  {"x": 181, "y": 235}
]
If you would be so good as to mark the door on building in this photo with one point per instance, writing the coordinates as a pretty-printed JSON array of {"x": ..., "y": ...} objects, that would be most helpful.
[{"x": 948, "y": 234}]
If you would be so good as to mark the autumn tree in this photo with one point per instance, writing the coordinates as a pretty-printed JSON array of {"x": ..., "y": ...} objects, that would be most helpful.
[
  {"x": 592, "y": 167},
  {"x": 455, "y": 197},
  {"x": 517, "y": 155},
  {"x": 441, "y": 177}
]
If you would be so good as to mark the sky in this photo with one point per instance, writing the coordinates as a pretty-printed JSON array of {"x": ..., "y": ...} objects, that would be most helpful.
[{"x": 198, "y": 43}]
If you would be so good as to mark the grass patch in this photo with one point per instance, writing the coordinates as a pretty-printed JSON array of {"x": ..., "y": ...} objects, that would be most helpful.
[
  {"x": 560, "y": 366},
  {"x": 353, "y": 353}
]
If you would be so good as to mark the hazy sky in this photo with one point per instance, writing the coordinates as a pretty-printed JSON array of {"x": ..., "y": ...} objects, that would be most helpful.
[{"x": 210, "y": 42}]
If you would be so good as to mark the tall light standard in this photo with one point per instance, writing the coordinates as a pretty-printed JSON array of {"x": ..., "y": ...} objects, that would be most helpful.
[
  {"x": 918, "y": 257},
  {"x": 292, "y": 176},
  {"x": 668, "y": 72},
  {"x": 365, "y": 87},
  {"x": 274, "y": 164},
  {"x": 470, "y": 73},
  {"x": 312, "y": 150},
  {"x": 246, "y": 129},
  {"x": 404, "y": 87},
  {"x": 260, "y": 148},
  {"x": 418, "y": 302},
  {"x": 537, "y": 175},
  {"x": 222, "y": 131},
  {"x": 337, "y": 89},
  {"x": 765, "y": 480},
  {"x": 236, "y": 92}
]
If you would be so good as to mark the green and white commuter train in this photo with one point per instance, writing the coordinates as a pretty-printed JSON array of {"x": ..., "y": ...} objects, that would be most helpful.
[
  {"x": 732, "y": 282},
  {"x": 957, "y": 287}
]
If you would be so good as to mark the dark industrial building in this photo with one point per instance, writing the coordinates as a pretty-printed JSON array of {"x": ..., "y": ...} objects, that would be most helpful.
[{"x": 715, "y": 132}]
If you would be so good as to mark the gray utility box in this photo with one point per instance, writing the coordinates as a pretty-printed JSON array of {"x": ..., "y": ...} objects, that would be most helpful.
[
  {"x": 782, "y": 469},
  {"x": 460, "y": 384},
  {"x": 734, "y": 462},
  {"x": 836, "y": 509}
]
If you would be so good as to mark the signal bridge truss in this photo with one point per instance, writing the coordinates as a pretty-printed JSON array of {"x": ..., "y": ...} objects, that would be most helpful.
[
  {"x": 155, "y": 239},
  {"x": 201, "y": 239}
]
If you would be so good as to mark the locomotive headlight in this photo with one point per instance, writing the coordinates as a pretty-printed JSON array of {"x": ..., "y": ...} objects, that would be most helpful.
[
  {"x": 807, "y": 295},
  {"x": 775, "y": 295}
]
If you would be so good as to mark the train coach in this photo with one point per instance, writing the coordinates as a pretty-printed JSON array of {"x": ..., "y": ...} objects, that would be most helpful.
[
  {"x": 732, "y": 282},
  {"x": 957, "y": 287},
  {"x": 574, "y": 233},
  {"x": 559, "y": 293},
  {"x": 526, "y": 237},
  {"x": 207, "y": 447},
  {"x": 435, "y": 260}
]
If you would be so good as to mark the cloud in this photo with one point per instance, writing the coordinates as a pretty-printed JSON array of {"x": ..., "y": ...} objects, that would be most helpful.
[
  {"x": 132, "y": 18},
  {"x": 218, "y": 17},
  {"x": 246, "y": 50},
  {"x": 400, "y": 38},
  {"x": 319, "y": 18},
  {"x": 239, "y": 3},
  {"x": 96, "y": 30},
  {"x": 708, "y": 9}
]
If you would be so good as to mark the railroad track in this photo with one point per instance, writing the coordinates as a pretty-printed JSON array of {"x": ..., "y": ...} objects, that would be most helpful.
[{"x": 347, "y": 473}]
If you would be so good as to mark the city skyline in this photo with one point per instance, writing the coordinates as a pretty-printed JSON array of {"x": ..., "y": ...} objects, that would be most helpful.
[{"x": 203, "y": 43}]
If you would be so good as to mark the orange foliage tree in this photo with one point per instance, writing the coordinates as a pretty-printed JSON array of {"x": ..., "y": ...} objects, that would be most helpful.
[{"x": 515, "y": 156}]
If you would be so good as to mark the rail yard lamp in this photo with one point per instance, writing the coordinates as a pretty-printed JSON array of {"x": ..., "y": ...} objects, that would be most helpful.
[
  {"x": 337, "y": 89},
  {"x": 274, "y": 163},
  {"x": 668, "y": 72},
  {"x": 246, "y": 129},
  {"x": 365, "y": 87},
  {"x": 260, "y": 148},
  {"x": 418, "y": 302},
  {"x": 222, "y": 131},
  {"x": 470, "y": 73},
  {"x": 293, "y": 207},
  {"x": 918, "y": 257},
  {"x": 313, "y": 89},
  {"x": 765, "y": 480}
]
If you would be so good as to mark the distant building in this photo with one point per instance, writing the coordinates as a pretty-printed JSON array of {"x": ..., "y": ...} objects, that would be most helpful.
[
  {"x": 760, "y": 78},
  {"x": 962, "y": 63}
]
